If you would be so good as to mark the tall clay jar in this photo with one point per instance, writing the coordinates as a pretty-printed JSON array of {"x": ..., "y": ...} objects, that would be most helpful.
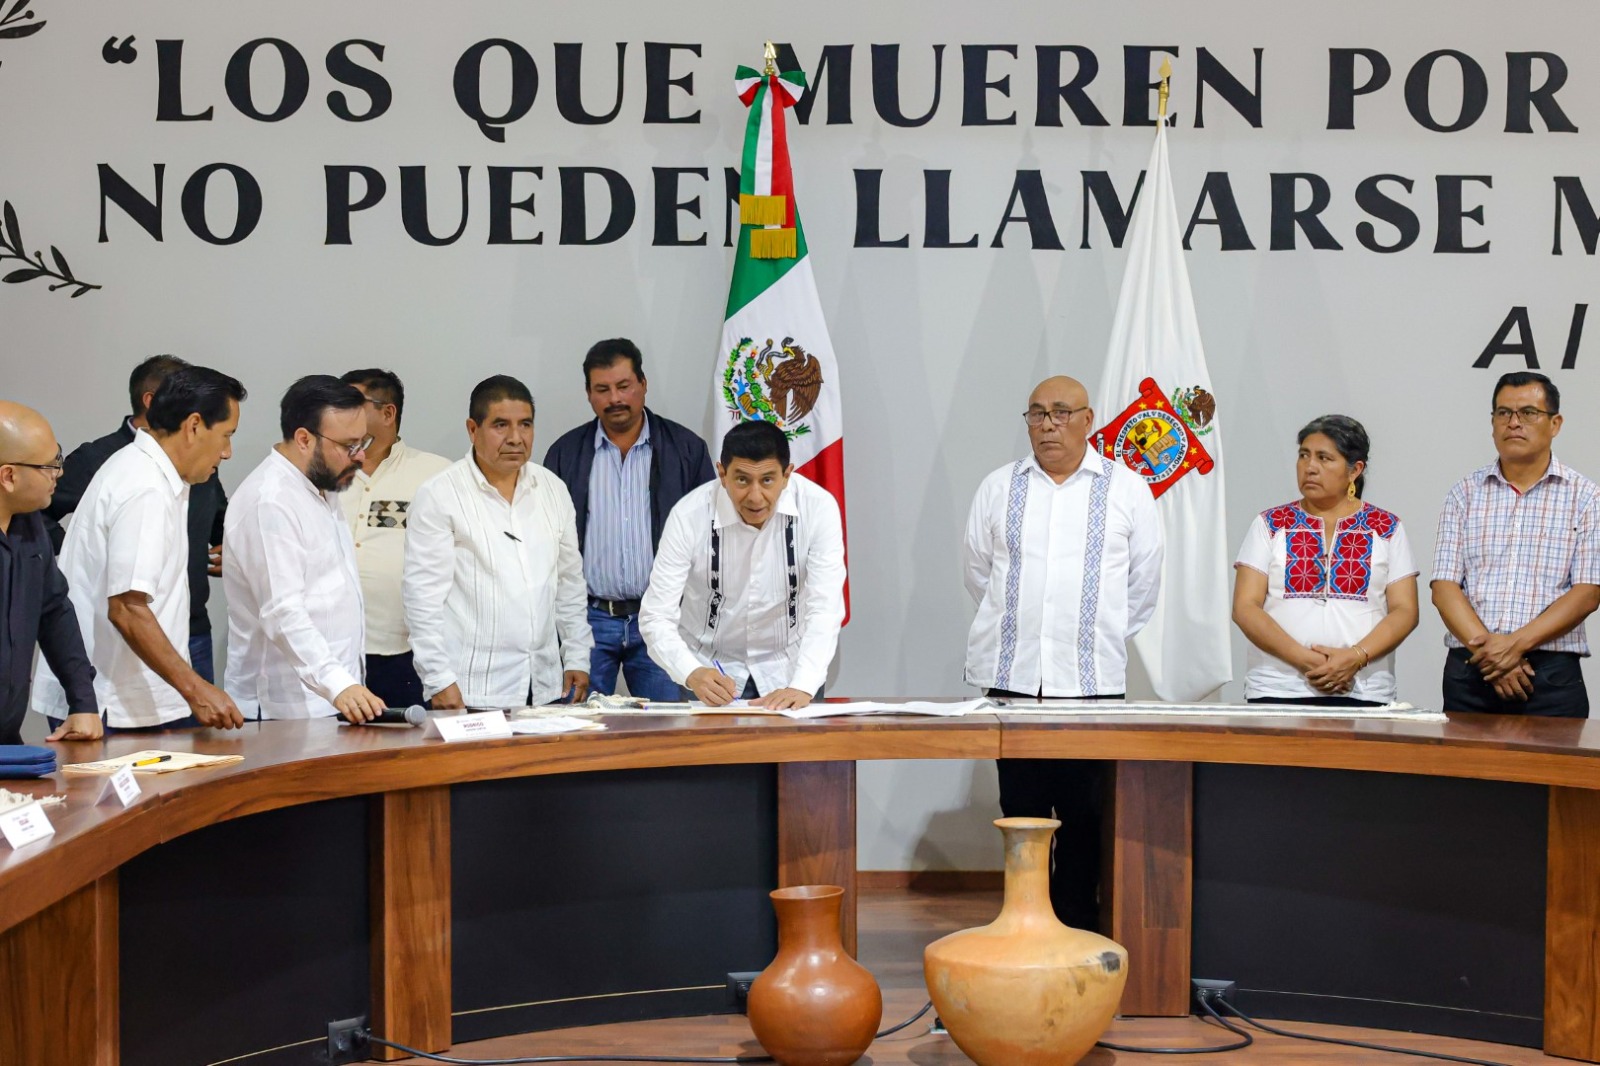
[
  {"x": 1026, "y": 990},
  {"x": 814, "y": 1005}
]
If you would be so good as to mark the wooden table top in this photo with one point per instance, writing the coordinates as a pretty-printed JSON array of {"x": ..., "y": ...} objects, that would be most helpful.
[{"x": 296, "y": 762}]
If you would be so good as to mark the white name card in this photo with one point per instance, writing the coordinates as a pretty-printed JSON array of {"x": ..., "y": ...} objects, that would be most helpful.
[
  {"x": 24, "y": 825},
  {"x": 481, "y": 725},
  {"x": 122, "y": 785}
]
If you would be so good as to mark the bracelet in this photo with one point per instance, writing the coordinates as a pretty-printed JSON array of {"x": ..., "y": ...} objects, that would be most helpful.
[{"x": 1366, "y": 657}]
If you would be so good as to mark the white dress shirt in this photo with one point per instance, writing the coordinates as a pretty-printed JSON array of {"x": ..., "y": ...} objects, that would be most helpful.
[
  {"x": 494, "y": 591},
  {"x": 1062, "y": 575},
  {"x": 376, "y": 508},
  {"x": 130, "y": 533},
  {"x": 781, "y": 589},
  {"x": 295, "y": 628}
]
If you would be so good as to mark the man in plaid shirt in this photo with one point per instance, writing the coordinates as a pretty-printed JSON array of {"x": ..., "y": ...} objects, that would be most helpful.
[{"x": 1516, "y": 569}]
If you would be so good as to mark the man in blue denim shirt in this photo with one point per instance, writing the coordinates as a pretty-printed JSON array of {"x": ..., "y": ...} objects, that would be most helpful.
[{"x": 626, "y": 470}]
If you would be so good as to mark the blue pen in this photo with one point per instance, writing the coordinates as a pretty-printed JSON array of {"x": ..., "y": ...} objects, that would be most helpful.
[{"x": 720, "y": 670}]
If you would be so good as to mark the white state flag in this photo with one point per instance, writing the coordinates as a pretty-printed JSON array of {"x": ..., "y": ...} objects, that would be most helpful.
[{"x": 1158, "y": 414}]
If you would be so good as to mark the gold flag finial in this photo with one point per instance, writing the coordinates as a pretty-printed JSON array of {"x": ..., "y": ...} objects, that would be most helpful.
[
  {"x": 1166, "y": 87},
  {"x": 772, "y": 60}
]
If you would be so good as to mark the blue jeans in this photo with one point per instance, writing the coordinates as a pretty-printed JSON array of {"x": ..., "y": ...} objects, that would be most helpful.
[
  {"x": 618, "y": 645},
  {"x": 200, "y": 657}
]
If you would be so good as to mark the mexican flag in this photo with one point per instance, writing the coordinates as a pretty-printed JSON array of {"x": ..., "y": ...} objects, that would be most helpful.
[{"x": 776, "y": 361}]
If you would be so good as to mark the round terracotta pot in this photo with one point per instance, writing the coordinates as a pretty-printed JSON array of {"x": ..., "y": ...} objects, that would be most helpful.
[
  {"x": 814, "y": 1005},
  {"x": 1025, "y": 990}
]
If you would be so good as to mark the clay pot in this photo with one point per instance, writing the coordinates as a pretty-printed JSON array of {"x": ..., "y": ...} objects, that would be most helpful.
[
  {"x": 814, "y": 1005},
  {"x": 1025, "y": 990}
]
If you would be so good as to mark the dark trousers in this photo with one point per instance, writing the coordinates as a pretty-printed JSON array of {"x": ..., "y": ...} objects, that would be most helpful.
[
  {"x": 200, "y": 657},
  {"x": 1074, "y": 792},
  {"x": 1558, "y": 689},
  {"x": 393, "y": 679}
]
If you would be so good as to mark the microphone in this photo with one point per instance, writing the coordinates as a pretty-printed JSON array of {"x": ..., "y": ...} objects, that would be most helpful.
[{"x": 412, "y": 715}]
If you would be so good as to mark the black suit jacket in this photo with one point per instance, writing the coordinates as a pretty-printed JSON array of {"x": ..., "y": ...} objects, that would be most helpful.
[
  {"x": 35, "y": 612},
  {"x": 208, "y": 503}
]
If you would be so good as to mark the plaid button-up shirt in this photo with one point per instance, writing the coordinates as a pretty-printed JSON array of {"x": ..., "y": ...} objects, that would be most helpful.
[{"x": 1515, "y": 553}]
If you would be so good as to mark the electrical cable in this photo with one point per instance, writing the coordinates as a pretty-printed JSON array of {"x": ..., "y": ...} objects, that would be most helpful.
[
  {"x": 1205, "y": 1002},
  {"x": 1353, "y": 1043},
  {"x": 926, "y": 1007},
  {"x": 564, "y": 1058}
]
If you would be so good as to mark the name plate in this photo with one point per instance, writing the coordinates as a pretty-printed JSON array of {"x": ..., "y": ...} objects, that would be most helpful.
[
  {"x": 481, "y": 725},
  {"x": 24, "y": 825},
  {"x": 123, "y": 786}
]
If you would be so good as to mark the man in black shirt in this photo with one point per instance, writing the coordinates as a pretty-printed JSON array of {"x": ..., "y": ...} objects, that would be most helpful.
[
  {"x": 208, "y": 503},
  {"x": 34, "y": 608}
]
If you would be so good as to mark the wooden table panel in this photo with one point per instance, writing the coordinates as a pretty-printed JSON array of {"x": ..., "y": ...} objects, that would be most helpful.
[
  {"x": 1572, "y": 926},
  {"x": 1150, "y": 873},
  {"x": 817, "y": 832},
  {"x": 59, "y": 986},
  {"x": 410, "y": 899}
]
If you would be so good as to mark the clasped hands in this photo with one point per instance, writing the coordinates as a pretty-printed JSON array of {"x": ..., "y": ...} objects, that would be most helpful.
[
  {"x": 1499, "y": 658},
  {"x": 1331, "y": 671}
]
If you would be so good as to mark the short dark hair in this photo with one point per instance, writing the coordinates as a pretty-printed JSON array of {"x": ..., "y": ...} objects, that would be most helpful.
[
  {"x": 148, "y": 375},
  {"x": 603, "y": 353},
  {"x": 192, "y": 390},
  {"x": 1518, "y": 378},
  {"x": 384, "y": 385},
  {"x": 494, "y": 389},
  {"x": 1349, "y": 438},
  {"x": 308, "y": 399},
  {"x": 755, "y": 441}
]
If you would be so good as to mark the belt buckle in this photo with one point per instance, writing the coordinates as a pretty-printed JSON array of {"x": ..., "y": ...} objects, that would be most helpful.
[{"x": 611, "y": 609}]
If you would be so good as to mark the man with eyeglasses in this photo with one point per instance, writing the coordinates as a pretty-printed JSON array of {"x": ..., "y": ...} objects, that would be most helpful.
[
  {"x": 377, "y": 505},
  {"x": 35, "y": 608},
  {"x": 1516, "y": 566},
  {"x": 208, "y": 503},
  {"x": 295, "y": 622},
  {"x": 126, "y": 563},
  {"x": 1062, "y": 556}
]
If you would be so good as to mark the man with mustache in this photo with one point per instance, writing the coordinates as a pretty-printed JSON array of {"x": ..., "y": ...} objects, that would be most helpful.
[
  {"x": 126, "y": 562},
  {"x": 626, "y": 470},
  {"x": 295, "y": 621},
  {"x": 493, "y": 587},
  {"x": 1516, "y": 566}
]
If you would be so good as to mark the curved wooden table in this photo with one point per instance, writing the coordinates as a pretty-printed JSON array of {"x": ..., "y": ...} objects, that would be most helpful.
[{"x": 58, "y": 899}]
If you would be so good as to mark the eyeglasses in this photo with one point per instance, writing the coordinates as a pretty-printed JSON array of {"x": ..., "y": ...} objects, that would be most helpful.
[
  {"x": 50, "y": 468},
  {"x": 1060, "y": 415},
  {"x": 352, "y": 450},
  {"x": 1528, "y": 416}
]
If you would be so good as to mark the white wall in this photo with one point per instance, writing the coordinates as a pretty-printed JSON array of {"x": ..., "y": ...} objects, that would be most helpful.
[{"x": 937, "y": 348}]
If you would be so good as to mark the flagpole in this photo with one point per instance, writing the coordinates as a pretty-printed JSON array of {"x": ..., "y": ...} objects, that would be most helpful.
[{"x": 1166, "y": 87}]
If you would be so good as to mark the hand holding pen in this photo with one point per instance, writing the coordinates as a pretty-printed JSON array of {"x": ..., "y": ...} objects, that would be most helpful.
[{"x": 712, "y": 687}]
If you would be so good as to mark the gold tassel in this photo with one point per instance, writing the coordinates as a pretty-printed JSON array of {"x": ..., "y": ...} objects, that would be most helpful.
[
  {"x": 772, "y": 244},
  {"x": 762, "y": 210}
]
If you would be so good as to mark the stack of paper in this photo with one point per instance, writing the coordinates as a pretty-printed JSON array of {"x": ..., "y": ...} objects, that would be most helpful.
[{"x": 152, "y": 762}]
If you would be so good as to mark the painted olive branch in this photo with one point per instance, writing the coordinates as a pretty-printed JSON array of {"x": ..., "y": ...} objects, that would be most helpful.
[
  {"x": 11, "y": 247},
  {"x": 15, "y": 23}
]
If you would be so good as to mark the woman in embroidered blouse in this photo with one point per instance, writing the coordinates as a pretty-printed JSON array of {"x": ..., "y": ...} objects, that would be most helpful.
[{"x": 1324, "y": 586}]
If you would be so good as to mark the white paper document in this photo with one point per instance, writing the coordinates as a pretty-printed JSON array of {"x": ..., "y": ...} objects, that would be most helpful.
[
  {"x": 561, "y": 723},
  {"x": 916, "y": 707}
]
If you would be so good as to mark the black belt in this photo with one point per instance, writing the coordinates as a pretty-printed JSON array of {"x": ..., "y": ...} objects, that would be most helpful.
[{"x": 615, "y": 608}]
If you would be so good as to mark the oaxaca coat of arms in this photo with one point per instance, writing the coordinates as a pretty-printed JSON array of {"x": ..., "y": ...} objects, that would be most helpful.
[{"x": 1159, "y": 437}]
